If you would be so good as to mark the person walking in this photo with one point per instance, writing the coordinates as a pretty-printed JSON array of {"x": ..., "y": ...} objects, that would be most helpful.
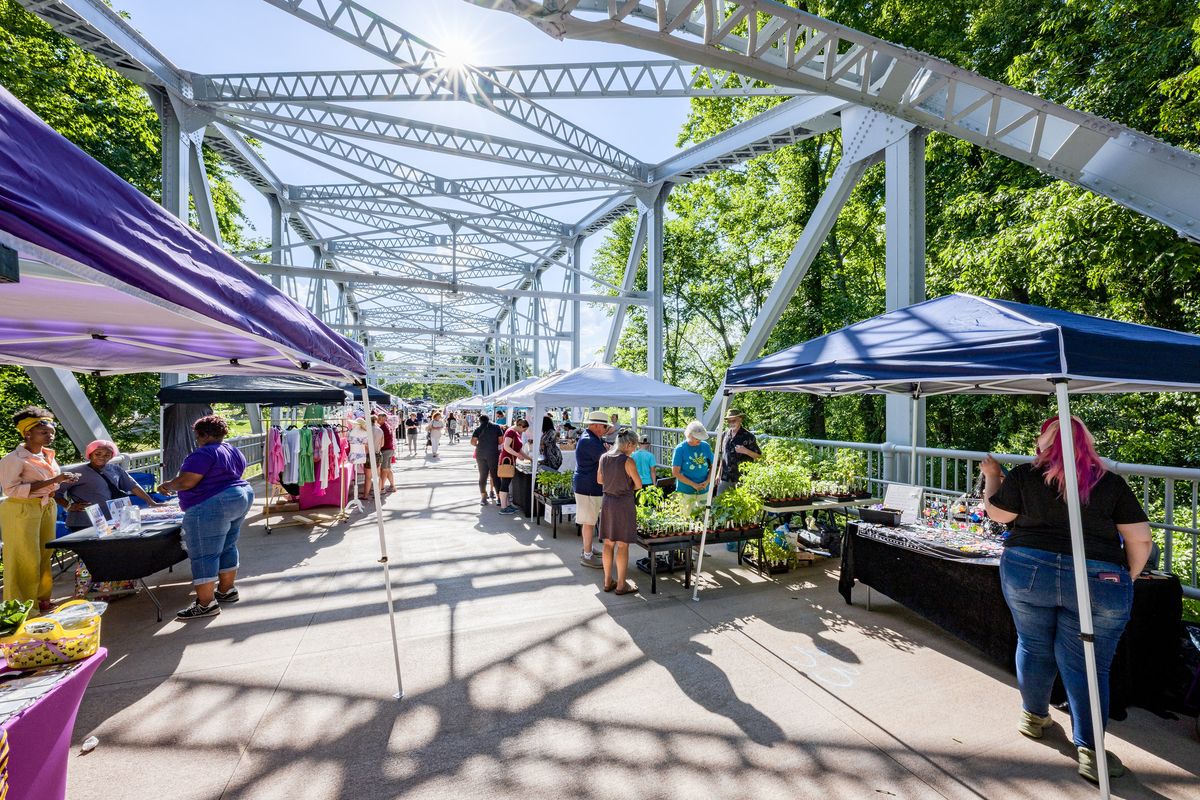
[
  {"x": 214, "y": 499},
  {"x": 387, "y": 452},
  {"x": 486, "y": 440},
  {"x": 1037, "y": 577},
  {"x": 737, "y": 447},
  {"x": 618, "y": 476},
  {"x": 411, "y": 428},
  {"x": 452, "y": 427},
  {"x": 435, "y": 427},
  {"x": 30, "y": 476},
  {"x": 512, "y": 448},
  {"x": 588, "y": 492},
  {"x": 691, "y": 464}
]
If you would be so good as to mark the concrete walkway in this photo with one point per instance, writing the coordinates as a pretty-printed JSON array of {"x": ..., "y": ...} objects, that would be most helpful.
[{"x": 525, "y": 680}]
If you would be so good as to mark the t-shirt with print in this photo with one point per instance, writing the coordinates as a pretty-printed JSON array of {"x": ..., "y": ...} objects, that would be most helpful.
[
  {"x": 694, "y": 461},
  {"x": 221, "y": 466},
  {"x": 1042, "y": 522}
]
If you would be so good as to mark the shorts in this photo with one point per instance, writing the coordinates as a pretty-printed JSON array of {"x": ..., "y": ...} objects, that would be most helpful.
[
  {"x": 386, "y": 457},
  {"x": 587, "y": 508}
]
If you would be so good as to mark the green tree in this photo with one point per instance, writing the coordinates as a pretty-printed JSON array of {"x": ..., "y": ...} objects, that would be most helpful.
[{"x": 112, "y": 120}]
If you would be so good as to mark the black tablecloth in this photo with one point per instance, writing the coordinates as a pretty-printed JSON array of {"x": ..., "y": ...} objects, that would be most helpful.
[
  {"x": 519, "y": 492},
  {"x": 126, "y": 558},
  {"x": 964, "y": 598}
]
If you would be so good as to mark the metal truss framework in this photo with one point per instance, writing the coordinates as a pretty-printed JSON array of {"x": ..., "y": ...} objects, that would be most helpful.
[{"x": 456, "y": 278}]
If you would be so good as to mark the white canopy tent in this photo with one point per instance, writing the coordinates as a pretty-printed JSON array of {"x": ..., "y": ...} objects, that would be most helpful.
[{"x": 599, "y": 384}]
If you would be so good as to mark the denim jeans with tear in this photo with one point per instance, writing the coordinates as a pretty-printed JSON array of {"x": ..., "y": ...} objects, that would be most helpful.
[{"x": 1039, "y": 587}]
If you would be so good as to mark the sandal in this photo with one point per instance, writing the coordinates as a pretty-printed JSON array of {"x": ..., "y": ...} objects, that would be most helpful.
[
  {"x": 609, "y": 586},
  {"x": 625, "y": 588}
]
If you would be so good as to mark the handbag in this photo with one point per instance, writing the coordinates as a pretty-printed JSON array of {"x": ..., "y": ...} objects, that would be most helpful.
[{"x": 506, "y": 470}]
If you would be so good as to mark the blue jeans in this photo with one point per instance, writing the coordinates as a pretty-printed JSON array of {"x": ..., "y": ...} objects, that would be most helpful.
[
  {"x": 1039, "y": 587},
  {"x": 210, "y": 532}
]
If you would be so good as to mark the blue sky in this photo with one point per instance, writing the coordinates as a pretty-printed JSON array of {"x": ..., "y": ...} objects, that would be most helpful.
[{"x": 251, "y": 36}]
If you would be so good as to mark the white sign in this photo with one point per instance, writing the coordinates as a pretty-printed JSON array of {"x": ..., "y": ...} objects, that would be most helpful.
[
  {"x": 906, "y": 499},
  {"x": 96, "y": 517}
]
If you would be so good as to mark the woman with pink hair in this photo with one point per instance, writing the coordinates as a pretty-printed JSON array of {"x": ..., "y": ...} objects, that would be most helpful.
[{"x": 1038, "y": 578}]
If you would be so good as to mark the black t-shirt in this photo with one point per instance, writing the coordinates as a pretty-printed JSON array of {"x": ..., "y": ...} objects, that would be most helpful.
[
  {"x": 487, "y": 437},
  {"x": 732, "y": 462},
  {"x": 1042, "y": 521},
  {"x": 411, "y": 426}
]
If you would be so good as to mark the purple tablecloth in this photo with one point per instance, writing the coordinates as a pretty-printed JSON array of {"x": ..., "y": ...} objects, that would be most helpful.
[{"x": 39, "y": 737}]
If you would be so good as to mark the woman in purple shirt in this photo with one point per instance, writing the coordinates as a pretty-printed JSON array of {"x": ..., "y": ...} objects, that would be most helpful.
[{"x": 214, "y": 500}]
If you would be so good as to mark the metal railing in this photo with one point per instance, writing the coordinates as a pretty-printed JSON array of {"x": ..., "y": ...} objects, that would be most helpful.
[
  {"x": 1170, "y": 495},
  {"x": 251, "y": 446}
]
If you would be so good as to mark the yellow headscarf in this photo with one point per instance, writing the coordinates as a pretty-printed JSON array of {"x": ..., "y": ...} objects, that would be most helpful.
[{"x": 29, "y": 423}]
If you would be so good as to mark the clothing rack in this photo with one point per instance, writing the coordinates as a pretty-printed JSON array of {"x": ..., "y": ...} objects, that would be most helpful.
[{"x": 302, "y": 421}]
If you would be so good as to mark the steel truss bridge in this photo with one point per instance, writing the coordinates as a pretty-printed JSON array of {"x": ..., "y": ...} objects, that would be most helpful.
[{"x": 479, "y": 279}]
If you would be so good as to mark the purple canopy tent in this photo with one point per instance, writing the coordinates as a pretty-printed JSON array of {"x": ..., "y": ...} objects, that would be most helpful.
[{"x": 112, "y": 283}]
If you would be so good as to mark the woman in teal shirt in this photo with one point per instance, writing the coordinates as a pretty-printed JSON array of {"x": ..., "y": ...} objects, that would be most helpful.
[{"x": 692, "y": 461}]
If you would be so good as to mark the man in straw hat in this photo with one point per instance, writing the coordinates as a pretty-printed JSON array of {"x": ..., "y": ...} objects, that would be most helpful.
[
  {"x": 737, "y": 447},
  {"x": 588, "y": 492}
]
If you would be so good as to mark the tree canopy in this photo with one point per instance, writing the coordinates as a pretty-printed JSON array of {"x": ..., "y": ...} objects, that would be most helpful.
[
  {"x": 994, "y": 227},
  {"x": 112, "y": 120}
]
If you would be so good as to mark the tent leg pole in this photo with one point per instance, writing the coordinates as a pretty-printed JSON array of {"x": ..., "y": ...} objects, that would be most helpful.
[
  {"x": 383, "y": 556},
  {"x": 533, "y": 457},
  {"x": 912, "y": 454},
  {"x": 712, "y": 483},
  {"x": 1083, "y": 596}
]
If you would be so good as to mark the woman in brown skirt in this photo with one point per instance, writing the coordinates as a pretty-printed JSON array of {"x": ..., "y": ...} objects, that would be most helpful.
[{"x": 618, "y": 476}]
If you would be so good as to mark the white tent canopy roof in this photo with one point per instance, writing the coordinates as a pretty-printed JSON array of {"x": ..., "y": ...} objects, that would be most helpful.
[
  {"x": 505, "y": 395},
  {"x": 600, "y": 384}
]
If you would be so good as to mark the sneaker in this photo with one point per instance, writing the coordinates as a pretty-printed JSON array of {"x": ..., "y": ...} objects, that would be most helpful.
[
  {"x": 226, "y": 597},
  {"x": 590, "y": 560},
  {"x": 509, "y": 510},
  {"x": 195, "y": 610},
  {"x": 1087, "y": 765},
  {"x": 1032, "y": 725},
  {"x": 512, "y": 508},
  {"x": 483, "y": 501}
]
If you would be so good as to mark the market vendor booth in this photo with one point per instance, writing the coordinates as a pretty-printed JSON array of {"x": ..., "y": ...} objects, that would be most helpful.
[
  {"x": 110, "y": 283},
  {"x": 588, "y": 386},
  {"x": 971, "y": 345}
]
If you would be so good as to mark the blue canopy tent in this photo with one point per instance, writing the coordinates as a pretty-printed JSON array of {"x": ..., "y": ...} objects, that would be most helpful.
[
  {"x": 108, "y": 282},
  {"x": 973, "y": 345}
]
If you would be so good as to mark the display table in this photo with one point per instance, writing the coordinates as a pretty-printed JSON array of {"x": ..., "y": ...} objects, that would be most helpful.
[
  {"x": 37, "y": 715},
  {"x": 956, "y": 585},
  {"x": 556, "y": 506},
  {"x": 127, "y": 557},
  {"x": 658, "y": 544}
]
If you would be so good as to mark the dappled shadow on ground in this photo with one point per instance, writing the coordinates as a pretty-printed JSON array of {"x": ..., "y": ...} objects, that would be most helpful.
[{"x": 520, "y": 683}]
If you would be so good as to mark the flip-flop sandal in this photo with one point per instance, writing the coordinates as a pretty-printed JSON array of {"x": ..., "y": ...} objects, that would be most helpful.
[
  {"x": 625, "y": 588},
  {"x": 608, "y": 587}
]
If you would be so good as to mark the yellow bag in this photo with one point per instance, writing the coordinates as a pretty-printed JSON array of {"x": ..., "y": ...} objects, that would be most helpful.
[{"x": 43, "y": 641}]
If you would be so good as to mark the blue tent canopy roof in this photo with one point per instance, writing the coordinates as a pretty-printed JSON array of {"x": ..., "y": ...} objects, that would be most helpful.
[{"x": 963, "y": 344}]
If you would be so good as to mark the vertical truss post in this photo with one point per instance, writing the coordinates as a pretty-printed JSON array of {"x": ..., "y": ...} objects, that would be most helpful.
[
  {"x": 628, "y": 282},
  {"x": 904, "y": 205},
  {"x": 512, "y": 341},
  {"x": 535, "y": 311},
  {"x": 319, "y": 285},
  {"x": 655, "y": 320},
  {"x": 576, "y": 306},
  {"x": 176, "y": 174},
  {"x": 277, "y": 242},
  {"x": 70, "y": 405}
]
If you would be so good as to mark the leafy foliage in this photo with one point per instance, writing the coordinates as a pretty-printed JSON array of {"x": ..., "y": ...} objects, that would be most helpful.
[{"x": 112, "y": 120}]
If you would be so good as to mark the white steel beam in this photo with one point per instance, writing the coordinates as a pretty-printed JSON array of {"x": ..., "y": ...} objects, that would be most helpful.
[
  {"x": 380, "y": 279},
  {"x": 71, "y": 407},
  {"x": 785, "y": 46},
  {"x": 616, "y": 79},
  {"x": 655, "y": 315},
  {"x": 359, "y": 25},
  {"x": 628, "y": 282},
  {"x": 418, "y": 331}
]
